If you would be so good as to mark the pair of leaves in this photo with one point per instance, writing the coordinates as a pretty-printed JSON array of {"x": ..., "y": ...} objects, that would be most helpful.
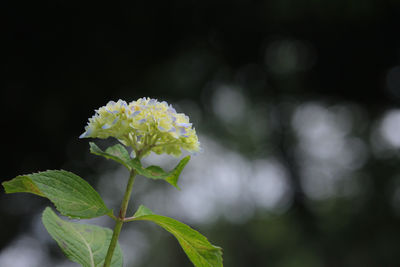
[
  {"x": 81, "y": 243},
  {"x": 119, "y": 154},
  {"x": 74, "y": 197},
  {"x": 88, "y": 244}
]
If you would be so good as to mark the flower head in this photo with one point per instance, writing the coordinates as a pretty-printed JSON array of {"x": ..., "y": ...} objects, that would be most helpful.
[{"x": 145, "y": 125}]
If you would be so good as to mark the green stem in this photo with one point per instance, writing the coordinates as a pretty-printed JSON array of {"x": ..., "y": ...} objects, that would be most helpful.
[{"x": 121, "y": 218}]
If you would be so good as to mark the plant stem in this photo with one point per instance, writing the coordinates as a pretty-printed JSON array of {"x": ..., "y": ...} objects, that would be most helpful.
[{"x": 120, "y": 221}]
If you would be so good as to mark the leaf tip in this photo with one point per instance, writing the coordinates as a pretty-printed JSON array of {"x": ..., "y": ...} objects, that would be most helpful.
[
  {"x": 142, "y": 211},
  {"x": 4, "y": 185},
  {"x": 186, "y": 159},
  {"x": 47, "y": 211},
  {"x": 93, "y": 147}
]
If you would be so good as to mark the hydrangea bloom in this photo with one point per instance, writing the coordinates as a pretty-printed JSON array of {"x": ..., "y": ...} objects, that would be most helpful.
[{"x": 144, "y": 125}]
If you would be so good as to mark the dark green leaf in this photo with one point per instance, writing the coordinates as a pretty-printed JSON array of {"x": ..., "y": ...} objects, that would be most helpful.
[
  {"x": 196, "y": 246},
  {"x": 71, "y": 195},
  {"x": 81, "y": 243}
]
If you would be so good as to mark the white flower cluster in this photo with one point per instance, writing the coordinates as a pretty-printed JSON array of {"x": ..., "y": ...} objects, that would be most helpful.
[{"x": 145, "y": 125}]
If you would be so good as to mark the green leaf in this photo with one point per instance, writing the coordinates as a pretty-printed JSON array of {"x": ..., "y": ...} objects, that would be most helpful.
[
  {"x": 119, "y": 154},
  {"x": 81, "y": 243},
  {"x": 71, "y": 195},
  {"x": 196, "y": 246},
  {"x": 156, "y": 172}
]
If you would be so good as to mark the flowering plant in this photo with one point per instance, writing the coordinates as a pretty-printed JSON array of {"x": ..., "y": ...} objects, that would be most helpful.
[{"x": 142, "y": 126}]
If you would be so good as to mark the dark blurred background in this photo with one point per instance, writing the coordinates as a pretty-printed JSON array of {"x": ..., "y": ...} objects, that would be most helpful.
[{"x": 296, "y": 104}]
